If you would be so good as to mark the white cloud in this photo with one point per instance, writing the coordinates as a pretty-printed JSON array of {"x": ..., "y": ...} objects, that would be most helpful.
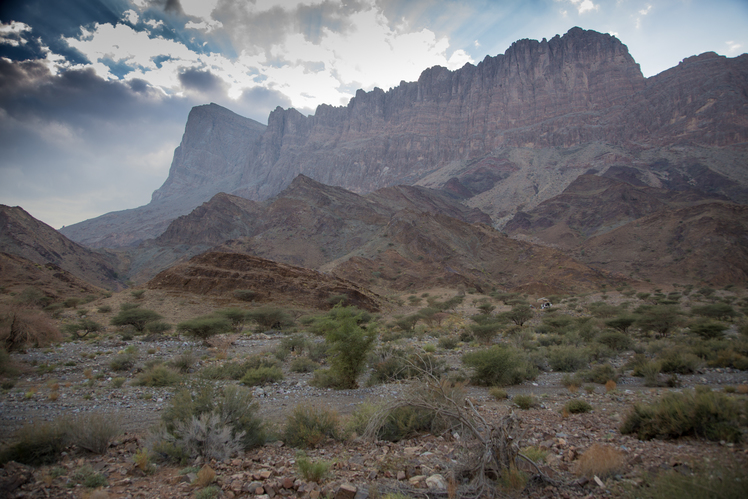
[
  {"x": 733, "y": 48},
  {"x": 584, "y": 5},
  {"x": 131, "y": 16},
  {"x": 153, "y": 23}
]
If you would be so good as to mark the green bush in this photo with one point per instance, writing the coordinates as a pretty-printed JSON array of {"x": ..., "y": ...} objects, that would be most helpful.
[
  {"x": 718, "y": 311},
  {"x": 615, "y": 340},
  {"x": 519, "y": 314},
  {"x": 485, "y": 333},
  {"x": 234, "y": 407},
  {"x": 448, "y": 342},
  {"x": 661, "y": 319},
  {"x": 525, "y": 401},
  {"x": 406, "y": 422},
  {"x": 268, "y": 318},
  {"x": 37, "y": 444},
  {"x": 577, "y": 406},
  {"x": 262, "y": 376},
  {"x": 348, "y": 343},
  {"x": 498, "y": 393},
  {"x": 709, "y": 330},
  {"x": 601, "y": 374},
  {"x": 312, "y": 471},
  {"x": 205, "y": 327},
  {"x": 678, "y": 360},
  {"x": 498, "y": 366},
  {"x": 567, "y": 358},
  {"x": 720, "y": 482},
  {"x": 307, "y": 426},
  {"x": 86, "y": 476},
  {"x": 700, "y": 413},
  {"x": 123, "y": 362},
  {"x": 158, "y": 327},
  {"x": 235, "y": 369},
  {"x": 138, "y": 318},
  {"x": 621, "y": 323},
  {"x": 158, "y": 375},
  {"x": 184, "y": 362},
  {"x": 303, "y": 365}
]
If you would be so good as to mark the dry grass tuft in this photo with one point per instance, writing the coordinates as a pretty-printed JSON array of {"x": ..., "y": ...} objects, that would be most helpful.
[
  {"x": 610, "y": 385},
  {"x": 21, "y": 327},
  {"x": 742, "y": 389},
  {"x": 600, "y": 460}
]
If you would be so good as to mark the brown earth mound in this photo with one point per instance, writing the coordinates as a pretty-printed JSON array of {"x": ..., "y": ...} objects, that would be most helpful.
[{"x": 220, "y": 274}]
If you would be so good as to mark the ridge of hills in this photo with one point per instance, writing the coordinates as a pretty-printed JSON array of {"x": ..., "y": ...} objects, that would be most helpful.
[{"x": 503, "y": 136}]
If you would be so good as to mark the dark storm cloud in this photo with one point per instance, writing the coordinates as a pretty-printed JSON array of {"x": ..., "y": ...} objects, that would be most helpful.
[{"x": 202, "y": 81}]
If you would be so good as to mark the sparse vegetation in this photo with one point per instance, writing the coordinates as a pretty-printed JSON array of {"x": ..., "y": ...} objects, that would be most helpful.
[
  {"x": 307, "y": 426},
  {"x": 136, "y": 317}
]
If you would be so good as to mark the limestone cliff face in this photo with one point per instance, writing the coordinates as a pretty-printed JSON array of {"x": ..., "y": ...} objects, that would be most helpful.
[{"x": 503, "y": 135}]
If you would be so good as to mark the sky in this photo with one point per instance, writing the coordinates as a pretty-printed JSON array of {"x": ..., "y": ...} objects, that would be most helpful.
[{"x": 95, "y": 94}]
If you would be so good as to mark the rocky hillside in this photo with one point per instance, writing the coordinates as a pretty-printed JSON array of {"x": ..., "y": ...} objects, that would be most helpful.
[
  {"x": 24, "y": 236},
  {"x": 503, "y": 135},
  {"x": 220, "y": 274}
]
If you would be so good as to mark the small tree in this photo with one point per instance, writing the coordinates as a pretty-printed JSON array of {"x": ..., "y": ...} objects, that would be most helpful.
[
  {"x": 205, "y": 327},
  {"x": 81, "y": 328},
  {"x": 235, "y": 315},
  {"x": 660, "y": 318},
  {"x": 621, "y": 323},
  {"x": 349, "y": 342},
  {"x": 709, "y": 329},
  {"x": 135, "y": 317},
  {"x": 519, "y": 314},
  {"x": 719, "y": 311}
]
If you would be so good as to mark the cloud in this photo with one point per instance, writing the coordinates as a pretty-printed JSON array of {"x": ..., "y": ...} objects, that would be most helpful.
[
  {"x": 733, "y": 48},
  {"x": 642, "y": 13},
  {"x": 584, "y": 5}
]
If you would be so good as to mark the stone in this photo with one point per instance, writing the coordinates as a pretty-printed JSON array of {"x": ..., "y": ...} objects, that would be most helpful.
[
  {"x": 436, "y": 482},
  {"x": 345, "y": 491}
]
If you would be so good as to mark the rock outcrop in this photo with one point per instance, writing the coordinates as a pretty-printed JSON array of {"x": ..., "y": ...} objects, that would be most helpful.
[{"x": 505, "y": 134}]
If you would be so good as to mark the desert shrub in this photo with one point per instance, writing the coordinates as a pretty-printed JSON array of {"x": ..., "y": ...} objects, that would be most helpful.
[
  {"x": 348, "y": 343},
  {"x": 21, "y": 327},
  {"x": 705, "y": 483},
  {"x": 207, "y": 436},
  {"x": 235, "y": 315},
  {"x": 158, "y": 327},
  {"x": 556, "y": 323},
  {"x": 122, "y": 362},
  {"x": 524, "y": 401},
  {"x": 184, "y": 362},
  {"x": 268, "y": 318},
  {"x": 104, "y": 309},
  {"x": 577, "y": 406},
  {"x": 237, "y": 409},
  {"x": 600, "y": 460},
  {"x": 37, "y": 444},
  {"x": 601, "y": 374},
  {"x": 205, "y": 327},
  {"x": 136, "y": 317},
  {"x": 7, "y": 366},
  {"x": 32, "y": 297},
  {"x": 615, "y": 340},
  {"x": 448, "y": 342},
  {"x": 498, "y": 366},
  {"x": 86, "y": 476},
  {"x": 262, "y": 376},
  {"x": 82, "y": 328},
  {"x": 718, "y": 311},
  {"x": 307, "y": 426},
  {"x": 708, "y": 330},
  {"x": 498, "y": 393},
  {"x": 485, "y": 333},
  {"x": 567, "y": 358},
  {"x": 158, "y": 375},
  {"x": 678, "y": 360},
  {"x": 408, "y": 322},
  {"x": 93, "y": 432},
  {"x": 236, "y": 370},
  {"x": 572, "y": 383},
  {"x": 303, "y": 365},
  {"x": 406, "y": 422},
  {"x": 245, "y": 294},
  {"x": 699, "y": 413},
  {"x": 360, "y": 418},
  {"x": 234, "y": 409},
  {"x": 312, "y": 471}
]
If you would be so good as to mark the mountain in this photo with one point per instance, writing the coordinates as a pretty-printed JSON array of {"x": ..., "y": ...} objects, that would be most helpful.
[
  {"x": 396, "y": 238},
  {"x": 24, "y": 236},
  {"x": 502, "y": 136}
]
